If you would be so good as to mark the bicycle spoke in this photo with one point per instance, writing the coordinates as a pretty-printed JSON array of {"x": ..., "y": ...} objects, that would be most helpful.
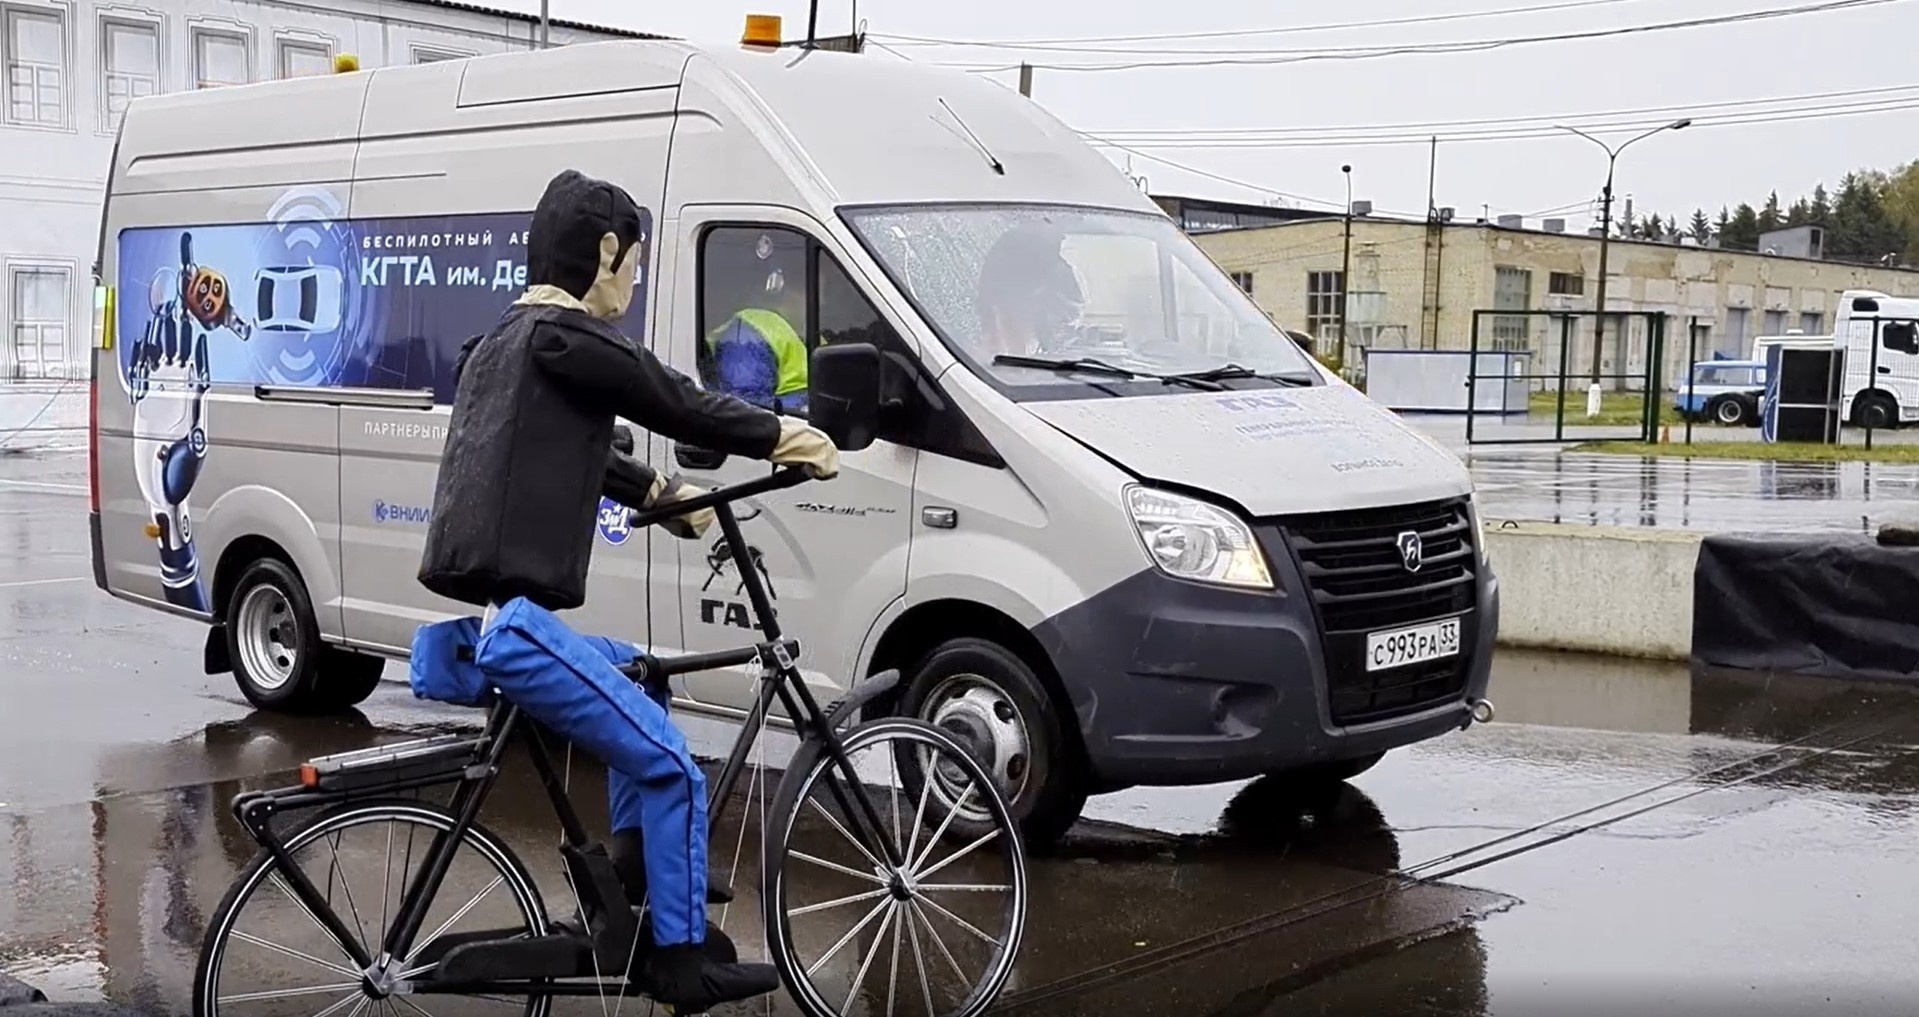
[
  {"x": 247, "y": 997},
  {"x": 961, "y": 922},
  {"x": 457, "y": 915},
  {"x": 246, "y": 937},
  {"x": 333, "y": 848},
  {"x": 867, "y": 964},
  {"x": 343, "y": 1001},
  {"x": 919, "y": 814},
  {"x": 893, "y": 980},
  {"x": 315, "y": 919},
  {"x": 848, "y": 834},
  {"x": 948, "y": 822},
  {"x": 965, "y": 887},
  {"x": 386, "y": 884},
  {"x": 937, "y": 939},
  {"x": 416, "y": 1007},
  {"x": 961, "y": 853},
  {"x": 843, "y": 901},
  {"x": 919, "y": 958},
  {"x": 893, "y": 794},
  {"x": 366, "y": 1002},
  {"x": 836, "y": 867},
  {"x": 848, "y": 938}
]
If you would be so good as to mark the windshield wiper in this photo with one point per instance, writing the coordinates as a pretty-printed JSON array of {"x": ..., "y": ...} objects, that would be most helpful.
[
  {"x": 1090, "y": 365},
  {"x": 1225, "y": 372}
]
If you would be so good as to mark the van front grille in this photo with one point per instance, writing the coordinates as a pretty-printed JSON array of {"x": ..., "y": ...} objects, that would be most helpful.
[{"x": 1357, "y": 575}]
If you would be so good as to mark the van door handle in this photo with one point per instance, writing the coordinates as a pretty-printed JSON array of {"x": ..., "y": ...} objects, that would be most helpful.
[
  {"x": 1883, "y": 369},
  {"x": 693, "y": 457}
]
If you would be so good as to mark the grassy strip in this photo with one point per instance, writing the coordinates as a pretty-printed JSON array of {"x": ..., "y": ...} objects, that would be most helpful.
[
  {"x": 1784, "y": 452},
  {"x": 1615, "y": 408}
]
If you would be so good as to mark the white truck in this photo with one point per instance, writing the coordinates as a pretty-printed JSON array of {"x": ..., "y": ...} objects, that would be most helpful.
[
  {"x": 1161, "y": 545},
  {"x": 1880, "y": 336}
]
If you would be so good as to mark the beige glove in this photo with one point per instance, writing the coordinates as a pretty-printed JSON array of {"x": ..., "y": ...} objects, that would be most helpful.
[
  {"x": 805, "y": 446},
  {"x": 691, "y": 526}
]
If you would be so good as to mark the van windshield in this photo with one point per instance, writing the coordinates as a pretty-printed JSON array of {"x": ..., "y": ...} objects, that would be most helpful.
[{"x": 1126, "y": 291}]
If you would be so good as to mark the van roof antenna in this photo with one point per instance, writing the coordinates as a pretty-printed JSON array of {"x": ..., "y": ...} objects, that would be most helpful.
[
  {"x": 812, "y": 21},
  {"x": 991, "y": 159}
]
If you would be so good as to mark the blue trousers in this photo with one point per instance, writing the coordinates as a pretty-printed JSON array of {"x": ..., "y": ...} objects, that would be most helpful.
[{"x": 571, "y": 683}]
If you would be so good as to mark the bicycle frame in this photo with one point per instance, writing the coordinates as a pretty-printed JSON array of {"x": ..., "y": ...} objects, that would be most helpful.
[{"x": 474, "y": 777}]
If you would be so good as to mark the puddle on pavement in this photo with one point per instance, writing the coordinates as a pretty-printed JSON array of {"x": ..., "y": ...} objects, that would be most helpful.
[{"x": 111, "y": 898}]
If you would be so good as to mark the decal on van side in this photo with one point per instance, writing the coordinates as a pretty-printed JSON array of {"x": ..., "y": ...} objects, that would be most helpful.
[{"x": 308, "y": 299}]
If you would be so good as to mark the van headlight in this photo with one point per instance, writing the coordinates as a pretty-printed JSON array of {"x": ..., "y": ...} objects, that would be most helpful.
[{"x": 1189, "y": 539}]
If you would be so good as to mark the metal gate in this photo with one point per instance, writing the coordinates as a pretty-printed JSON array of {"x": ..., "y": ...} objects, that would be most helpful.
[{"x": 1494, "y": 349}]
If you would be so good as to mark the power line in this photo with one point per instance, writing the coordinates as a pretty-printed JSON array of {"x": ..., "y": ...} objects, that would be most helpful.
[
  {"x": 1141, "y": 134},
  {"x": 1279, "y": 56},
  {"x": 1074, "y": 44},
  {"x": 1527, "y": 133}
]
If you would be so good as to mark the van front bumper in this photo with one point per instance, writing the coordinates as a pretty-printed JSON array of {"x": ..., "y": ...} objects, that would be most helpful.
[{"x": 1178, "y": 683}]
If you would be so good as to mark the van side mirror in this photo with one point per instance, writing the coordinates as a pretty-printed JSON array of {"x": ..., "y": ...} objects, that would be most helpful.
[{"x": 843, "y": 397}]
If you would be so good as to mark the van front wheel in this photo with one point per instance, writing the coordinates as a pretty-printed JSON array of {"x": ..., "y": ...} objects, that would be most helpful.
[
  {"x": 279, "y": 660},
  {"x": 993, "y": 704}
]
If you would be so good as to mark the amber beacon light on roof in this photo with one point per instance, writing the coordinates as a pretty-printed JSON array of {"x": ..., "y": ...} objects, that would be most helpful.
[
  {"x": 345, "y": 63},
  {"x": 761, "y": 30}
]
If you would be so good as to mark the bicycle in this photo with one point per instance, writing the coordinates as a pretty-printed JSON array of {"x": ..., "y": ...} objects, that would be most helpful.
[{"x": 540, "y": 959}]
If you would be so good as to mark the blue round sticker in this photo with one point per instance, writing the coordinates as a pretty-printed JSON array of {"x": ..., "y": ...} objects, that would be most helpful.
[{"x": 614, "y": 528}]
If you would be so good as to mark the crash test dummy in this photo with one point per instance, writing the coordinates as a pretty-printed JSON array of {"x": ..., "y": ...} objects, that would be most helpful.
[{"x": 527, "y": 457}]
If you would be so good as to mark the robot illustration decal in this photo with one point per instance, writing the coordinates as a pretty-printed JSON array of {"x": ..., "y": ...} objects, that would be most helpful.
[{"x": 168, "y": 377}]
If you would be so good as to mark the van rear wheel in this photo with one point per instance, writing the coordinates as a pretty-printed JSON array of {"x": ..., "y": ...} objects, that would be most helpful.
[
  {"x": 995, "y": 706},
  {"x": 279, "y": 660}
]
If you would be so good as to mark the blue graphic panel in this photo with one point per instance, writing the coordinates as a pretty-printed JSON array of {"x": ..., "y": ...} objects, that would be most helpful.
[{"x": 377, "y": 303}]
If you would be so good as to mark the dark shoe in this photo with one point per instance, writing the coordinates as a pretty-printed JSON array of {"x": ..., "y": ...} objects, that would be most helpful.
[{"x": 689, "y": 980}]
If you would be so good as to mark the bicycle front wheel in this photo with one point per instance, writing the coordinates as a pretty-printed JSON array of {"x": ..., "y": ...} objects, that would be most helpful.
[{"x": 934, "y": 934}]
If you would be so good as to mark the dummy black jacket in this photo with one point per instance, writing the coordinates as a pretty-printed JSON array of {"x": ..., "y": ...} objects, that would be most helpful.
[{"x": 517, "y": 500}]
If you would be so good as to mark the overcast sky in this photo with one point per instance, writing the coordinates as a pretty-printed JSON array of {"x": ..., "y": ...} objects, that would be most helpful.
[{"x": 1811, "y": 54}]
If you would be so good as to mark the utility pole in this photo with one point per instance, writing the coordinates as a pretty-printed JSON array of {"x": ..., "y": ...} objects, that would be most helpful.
[
  {"x": 1605, "y": 242},
  {"x": 543, "y": 23},
  {"x": 1026, "y": 80},
  {"x": 1346, "y": 264}
]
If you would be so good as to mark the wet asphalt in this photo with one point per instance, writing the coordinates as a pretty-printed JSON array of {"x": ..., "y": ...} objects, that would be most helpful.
[{"x": 1624, "y": 836}]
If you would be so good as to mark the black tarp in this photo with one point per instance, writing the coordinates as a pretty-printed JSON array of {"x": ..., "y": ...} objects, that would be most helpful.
[{"x": 1832, "y": 605}]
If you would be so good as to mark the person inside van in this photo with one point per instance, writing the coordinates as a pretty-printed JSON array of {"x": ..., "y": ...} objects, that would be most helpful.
[
  {"x": 527, "y": 457},
  {"x": 1028, "y": 298},
  {"x": 758, "y": 355}
]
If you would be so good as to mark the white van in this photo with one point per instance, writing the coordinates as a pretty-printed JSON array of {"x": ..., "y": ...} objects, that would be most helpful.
[
  {"x": 1882, "y": 386},
  {"x": 1198, "y": 558}
]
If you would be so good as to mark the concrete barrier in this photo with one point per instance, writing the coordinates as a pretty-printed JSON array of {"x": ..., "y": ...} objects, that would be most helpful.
[{"x": 1614, "y": 590}]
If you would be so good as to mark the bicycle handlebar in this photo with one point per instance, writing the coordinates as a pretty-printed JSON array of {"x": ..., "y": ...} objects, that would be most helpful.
[{"x": 779, "y": 480}]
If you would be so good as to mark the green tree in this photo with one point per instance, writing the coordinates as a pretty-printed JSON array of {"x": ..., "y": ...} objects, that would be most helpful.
[
  {"x": 1820, "y": 213},
  {"x": 1901, "y": 199},
  {"x": 1701, "y": 228},
  {"x": 1722, "y": 224},
  {"x": 1742, "y": 233},
  {"x": 1799, "y": 214},
  {"x": 1769, "y": 217},
  {"x": 1861, "y": 229}
]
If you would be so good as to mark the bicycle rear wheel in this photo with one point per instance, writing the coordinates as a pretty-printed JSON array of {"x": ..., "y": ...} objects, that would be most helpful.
[
  {"x": 948, "y": 920},
  {"x": 265, "y": 955}
]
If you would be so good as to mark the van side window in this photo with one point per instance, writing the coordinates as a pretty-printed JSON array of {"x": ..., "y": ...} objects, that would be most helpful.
[
  {"x": 769, "y": 296},
  {"x": 753, "y": 315}
]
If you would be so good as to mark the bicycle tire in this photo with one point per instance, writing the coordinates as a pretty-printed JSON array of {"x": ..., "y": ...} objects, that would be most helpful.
[
  {"x": 525, "y": 889},
  {"x": 808, "y": 762}
]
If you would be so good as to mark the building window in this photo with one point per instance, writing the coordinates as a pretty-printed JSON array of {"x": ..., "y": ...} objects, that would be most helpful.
[
  {"x": 36, "y": 67},
  {"x": 1737, "y": 321},
  {"x": 40, "y": 301},
  {"x": 129, "y": 67},
  {"x": 1567, "y": 284},
  {"x": 1775, "y": 323},
  {"x": 1325, "y": 302},
  {"x": 1812, "y": 322},
  {"x": 220, "y": 58},
  {"x": 304, "y": 59},
  {"x": 429, "y": 55},
  {"x": 1512, "y": 291},
  {"x": 1244, "y": 280}
]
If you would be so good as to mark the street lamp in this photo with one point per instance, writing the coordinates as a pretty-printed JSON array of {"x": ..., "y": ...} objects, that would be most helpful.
[
  {"x": 1605, "y": 229},
  {"x": 1346, "y": 264}
]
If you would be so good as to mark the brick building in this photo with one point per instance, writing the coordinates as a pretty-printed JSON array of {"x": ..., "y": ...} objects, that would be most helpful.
[{"x": 1416, "y": 285}]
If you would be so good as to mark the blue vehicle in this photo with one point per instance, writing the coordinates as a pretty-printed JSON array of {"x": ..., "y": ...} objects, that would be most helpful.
[{"x": 1723, "y": 391}]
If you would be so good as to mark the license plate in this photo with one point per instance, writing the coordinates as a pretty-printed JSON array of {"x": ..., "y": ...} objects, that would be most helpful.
[{"x": 1414, "y": 645}]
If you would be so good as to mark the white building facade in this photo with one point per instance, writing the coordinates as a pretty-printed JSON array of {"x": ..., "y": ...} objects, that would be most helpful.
[{"x": 71, "y": 67}]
